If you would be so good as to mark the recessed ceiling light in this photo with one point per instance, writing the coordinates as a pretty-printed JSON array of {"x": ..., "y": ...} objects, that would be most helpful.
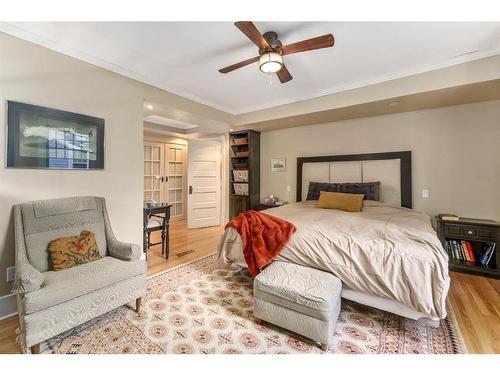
[
  {"x": 149, "y": 106},
  {"x": 393, "y": 104}
]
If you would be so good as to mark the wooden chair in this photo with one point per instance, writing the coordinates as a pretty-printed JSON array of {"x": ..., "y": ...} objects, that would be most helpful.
[{"x": 157, "y": 219}]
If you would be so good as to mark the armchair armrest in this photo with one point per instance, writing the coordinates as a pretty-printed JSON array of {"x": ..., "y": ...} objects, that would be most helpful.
[
  {"x": 123, "y": 250},
  {"x": 118, "y": 249},
  {"x": 27, "y": 279}
]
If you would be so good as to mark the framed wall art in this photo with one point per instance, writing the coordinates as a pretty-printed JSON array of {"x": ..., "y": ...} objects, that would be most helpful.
[
  {"x": 278, "y": 165},
  {"x": 40, "y": 137}
]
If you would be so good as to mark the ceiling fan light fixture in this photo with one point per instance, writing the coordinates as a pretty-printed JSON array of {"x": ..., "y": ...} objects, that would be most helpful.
[{"x": 270, "y": 62}]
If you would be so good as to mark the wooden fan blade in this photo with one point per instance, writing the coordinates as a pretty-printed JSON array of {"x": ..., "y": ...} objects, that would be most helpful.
[
  {"x": 323, "y": 41},
  {"x": 249, "y": 29},
  {"x": 241, "y": 64},
  {"x": 284, "y": 75}
]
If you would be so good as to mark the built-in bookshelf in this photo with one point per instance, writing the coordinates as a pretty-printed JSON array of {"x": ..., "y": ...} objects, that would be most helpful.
[
  {"x": 244, "y": 171},
  {"x": 472, "y": 245}
]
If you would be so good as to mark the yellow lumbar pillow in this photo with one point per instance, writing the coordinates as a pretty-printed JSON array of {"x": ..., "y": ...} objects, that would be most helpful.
[{"x": 341, "y": 201}]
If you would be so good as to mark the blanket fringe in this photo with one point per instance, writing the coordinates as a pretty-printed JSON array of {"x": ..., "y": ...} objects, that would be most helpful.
[{"x": 451, "y": 322}]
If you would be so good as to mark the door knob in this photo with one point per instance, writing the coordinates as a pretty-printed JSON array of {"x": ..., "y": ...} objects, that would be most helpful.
[{"x": 190, "y": 189}]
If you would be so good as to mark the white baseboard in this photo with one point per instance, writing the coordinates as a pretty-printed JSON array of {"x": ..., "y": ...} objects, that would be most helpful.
[{"x": 8, "y": 306}]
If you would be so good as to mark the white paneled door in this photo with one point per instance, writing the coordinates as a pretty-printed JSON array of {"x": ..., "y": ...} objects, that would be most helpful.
[
  {"x": 204, "y": 181},
  {"x": 175, "y": 170},
  {"x": 154, "y": 161},
  {"x": 165, "y": 179}
]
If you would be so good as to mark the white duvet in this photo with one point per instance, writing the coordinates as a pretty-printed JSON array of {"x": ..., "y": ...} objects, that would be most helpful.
[{"x": 385, "y": 251}]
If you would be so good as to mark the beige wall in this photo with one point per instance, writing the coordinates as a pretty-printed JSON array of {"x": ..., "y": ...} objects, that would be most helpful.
[
  {"x": 454, "y": 150},
  {"x": 36, "y": 75}
]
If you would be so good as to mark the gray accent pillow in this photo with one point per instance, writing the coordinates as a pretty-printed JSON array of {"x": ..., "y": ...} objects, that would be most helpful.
[
  {"x": 371, "y": 190},
  {"x": 316, "y": 187}
]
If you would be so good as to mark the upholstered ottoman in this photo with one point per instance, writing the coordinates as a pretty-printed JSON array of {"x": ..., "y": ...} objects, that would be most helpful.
[{"x": 300, "y": 299}]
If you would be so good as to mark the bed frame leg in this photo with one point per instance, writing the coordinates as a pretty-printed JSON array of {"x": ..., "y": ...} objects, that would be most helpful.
[
  {"x": 138, "y": 304},
  {"x": 35, "y": 349}
]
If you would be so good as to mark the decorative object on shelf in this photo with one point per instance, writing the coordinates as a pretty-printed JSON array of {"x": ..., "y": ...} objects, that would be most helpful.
[
  {"x": 151, "y": 203},
  {"x": 471, "y": 245},
  {"x": 40, "y": 137},
  {"x": 240, "y": 189},
  {"x": 271, "y": 200},
  {"x": 278, "y": 165},
  {"x": 240, "y": 175},
  {"x": 241, "y": 154},
  {"x": 240, "y": 141}
]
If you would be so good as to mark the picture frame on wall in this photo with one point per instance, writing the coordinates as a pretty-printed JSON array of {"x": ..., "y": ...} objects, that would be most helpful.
[
  {"x": 47, "y": 138},
  {"x": 278, "y": 165}
]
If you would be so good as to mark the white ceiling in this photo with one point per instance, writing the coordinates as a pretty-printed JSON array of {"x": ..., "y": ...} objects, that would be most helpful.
[{"x": 183, "y": 57}]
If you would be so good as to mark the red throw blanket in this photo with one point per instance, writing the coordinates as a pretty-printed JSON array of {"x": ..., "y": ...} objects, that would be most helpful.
[{"x": 263, "y": 237}]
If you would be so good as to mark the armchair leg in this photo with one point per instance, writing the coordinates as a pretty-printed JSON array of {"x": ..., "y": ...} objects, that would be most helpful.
[
  {"x": 324, "y": 347},
  {"x": 138, "y": 304},
  {"x": 35, "y": 349}
]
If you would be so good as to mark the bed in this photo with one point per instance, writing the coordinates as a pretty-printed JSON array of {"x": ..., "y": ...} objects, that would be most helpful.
[{"x": 387, "y": 256}]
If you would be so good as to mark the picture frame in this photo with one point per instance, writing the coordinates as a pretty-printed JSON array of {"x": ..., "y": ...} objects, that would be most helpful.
[
  {"x": 46, "y": 138},
  {"x": 278, "y": 165}
]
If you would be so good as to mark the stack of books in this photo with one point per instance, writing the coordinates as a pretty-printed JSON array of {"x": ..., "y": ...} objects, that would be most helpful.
[
  {"x": 460, "y": 250},
  {"x": 463, "y": 251},
  {"x": 486, "y": 254},
  {"x": 449, "y": 217}
]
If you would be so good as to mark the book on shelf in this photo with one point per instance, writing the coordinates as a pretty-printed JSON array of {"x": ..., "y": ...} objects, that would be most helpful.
[
  {"x": 486, "y": 254},
  {"x": 463, "y": 251},
  {"x": 471, "y": 251},
  {"x": 449, "y": 217}
]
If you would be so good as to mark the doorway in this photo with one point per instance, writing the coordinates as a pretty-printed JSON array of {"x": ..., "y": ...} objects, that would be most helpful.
[{"x": 171, "y": 165}]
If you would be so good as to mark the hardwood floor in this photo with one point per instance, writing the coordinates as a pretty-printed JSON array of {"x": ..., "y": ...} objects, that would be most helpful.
[
  {"x": 8, "y": 343},
  {"x": 186, "y": 245},
  {"x": 475, "y": 300}
]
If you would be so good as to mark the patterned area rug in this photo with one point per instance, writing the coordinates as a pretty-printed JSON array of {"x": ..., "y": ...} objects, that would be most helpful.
[{"x": 201, "y": 308}]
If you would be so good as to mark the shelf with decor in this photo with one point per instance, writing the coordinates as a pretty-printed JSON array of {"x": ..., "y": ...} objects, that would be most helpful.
[
  {"x": 471, "y": 244},
  {"x": 244, "y": 179}
]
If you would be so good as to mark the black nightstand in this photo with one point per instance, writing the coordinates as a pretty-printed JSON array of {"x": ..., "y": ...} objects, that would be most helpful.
[
  {"x": 264, "y": 206},
  {"x": 477, "y": 232}
]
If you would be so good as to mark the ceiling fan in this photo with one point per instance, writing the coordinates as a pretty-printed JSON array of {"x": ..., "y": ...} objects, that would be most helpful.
[{"x": 271, "y": 51}]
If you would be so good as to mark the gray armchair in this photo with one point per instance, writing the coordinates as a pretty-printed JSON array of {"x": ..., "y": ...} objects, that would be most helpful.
[{"x": 51, "y": 302}]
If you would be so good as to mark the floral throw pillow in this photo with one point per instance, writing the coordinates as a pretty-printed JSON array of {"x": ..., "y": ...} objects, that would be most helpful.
[{"x": 67, "y": 252}]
